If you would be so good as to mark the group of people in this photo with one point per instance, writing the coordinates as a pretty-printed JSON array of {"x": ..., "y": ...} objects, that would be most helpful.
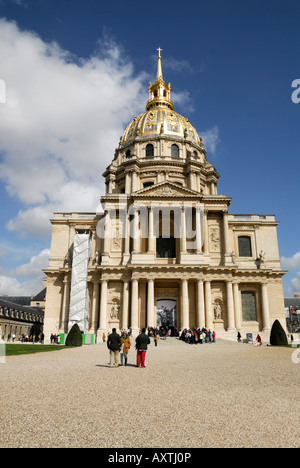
[
  {"x": 197, "y": 335},
  {"x": 26, "y": 338},
  {"x": 54, "y": 339},
  {"x": 119, "y": 346}
]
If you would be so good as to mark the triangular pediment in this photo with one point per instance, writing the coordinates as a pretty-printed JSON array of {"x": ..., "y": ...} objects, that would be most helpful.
[{"x": 166, "y": 189}]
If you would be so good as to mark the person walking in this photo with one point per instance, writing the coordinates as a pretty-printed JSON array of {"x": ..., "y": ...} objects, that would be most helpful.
[
  {"x": 142, "y": 342},
  {"x": 113, "y": 344},
  {"x": 156, "y": 338},
  {"x": 124, "y": 347},
  {"x": 258, "y": 340}
]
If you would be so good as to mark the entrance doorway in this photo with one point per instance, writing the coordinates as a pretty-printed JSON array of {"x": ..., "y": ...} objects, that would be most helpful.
[{"x": 166, "y": 314}]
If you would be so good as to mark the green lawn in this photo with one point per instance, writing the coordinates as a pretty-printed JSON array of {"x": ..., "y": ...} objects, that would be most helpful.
[{"x": 18, "y": 349}]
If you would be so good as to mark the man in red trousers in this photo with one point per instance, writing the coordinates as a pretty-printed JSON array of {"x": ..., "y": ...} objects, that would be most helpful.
[{"x": 141, "y": 344}]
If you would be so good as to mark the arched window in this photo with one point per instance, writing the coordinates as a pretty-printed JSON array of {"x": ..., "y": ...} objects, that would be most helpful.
[
  {"x": 245, "y": 249},
  {"x": 128, "y": 154},
  {"x": 174, "y": 151},
  {"x": 149, "y": 151}
]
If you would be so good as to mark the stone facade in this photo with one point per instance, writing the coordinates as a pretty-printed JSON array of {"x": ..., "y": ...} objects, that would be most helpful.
[{"x": 165, "y": 234}]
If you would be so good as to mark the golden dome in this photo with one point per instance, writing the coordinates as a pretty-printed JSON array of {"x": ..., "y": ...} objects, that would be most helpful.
[
  {"x": 160, "y": 117},
  {"x": 160, "y": 121}
]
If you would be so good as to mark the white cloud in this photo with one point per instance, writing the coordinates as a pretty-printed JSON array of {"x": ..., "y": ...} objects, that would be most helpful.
[
  {"x": 61, "y": 122},
  {"x": 11, "y": 283},
  {"x": 291, "y": 263},
  {"x": 210, "y": 139},
  {"x": 12, "y": 287},
  {"x": 34, "y": 267}
]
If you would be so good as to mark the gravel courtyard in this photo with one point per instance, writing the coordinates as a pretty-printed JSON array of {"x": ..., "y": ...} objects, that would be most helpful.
[{"x": 214, "y": 395}]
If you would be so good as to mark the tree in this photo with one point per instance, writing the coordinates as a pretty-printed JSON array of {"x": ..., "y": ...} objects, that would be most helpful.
[
  {"x": 278, "y": 336},
  {"x": 74, "y": 337}
]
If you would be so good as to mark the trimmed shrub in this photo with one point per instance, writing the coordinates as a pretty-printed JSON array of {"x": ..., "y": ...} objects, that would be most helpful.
[
  {"x": 278, "y": 336},
  {"x": 74, "y": 337}
]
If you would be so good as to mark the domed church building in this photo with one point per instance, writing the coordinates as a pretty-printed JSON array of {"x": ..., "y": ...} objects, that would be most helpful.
[{"x": 165, "y": 252}]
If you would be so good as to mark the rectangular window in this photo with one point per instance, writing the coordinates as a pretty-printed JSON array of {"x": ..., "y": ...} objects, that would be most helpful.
[
  {"x": 165, "y": 247},
  {"x": 249, "y": 306},
  {"x": 245, "y": 249}
]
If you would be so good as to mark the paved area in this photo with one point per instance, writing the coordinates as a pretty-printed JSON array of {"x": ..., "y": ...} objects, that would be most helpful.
[{"x": 214, "y": 395}]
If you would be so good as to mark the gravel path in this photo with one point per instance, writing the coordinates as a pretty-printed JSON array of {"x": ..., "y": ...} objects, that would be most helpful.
[{"x": 213, "y": 395}]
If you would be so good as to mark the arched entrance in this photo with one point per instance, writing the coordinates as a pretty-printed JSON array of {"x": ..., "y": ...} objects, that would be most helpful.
[{"x": 167, "y": 314}]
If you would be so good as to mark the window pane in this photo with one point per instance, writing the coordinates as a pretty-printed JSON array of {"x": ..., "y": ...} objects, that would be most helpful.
[
  {"x": 249, "y": 306},
  {"x": 165, "y": 247},
  {"x": 149, "y": 151},
  {"x": 174, "y": 151},
  {"x": 245, "y": 249}
]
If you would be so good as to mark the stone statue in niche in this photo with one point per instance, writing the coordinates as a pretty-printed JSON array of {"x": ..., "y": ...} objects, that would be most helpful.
[
  {"x": 97, "y": 258},
  {"x": 114, "y": 311},
  {"x": 215, "y": 239},
  {"x": 218, "y": 311}
]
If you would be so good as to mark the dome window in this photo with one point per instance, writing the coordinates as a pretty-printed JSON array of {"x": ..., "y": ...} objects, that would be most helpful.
[
  {"x": 128, "y": 154},
  {"x": 174, "y": 151},
  {"x": 149, "y": 151}
]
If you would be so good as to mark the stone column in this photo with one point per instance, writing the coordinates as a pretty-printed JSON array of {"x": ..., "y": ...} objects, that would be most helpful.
[
  {"x": 237, "y": 307},
  {"x": 265, "y": 307},
  {"x": 198, "y": 231},
  {"x": 136, "y": 233},
  {"x": 200, "y": 305},
  {"x": 206, "y": 234},
  {"x": 135, "y": 306},
  {"x": 208, "y": 305},
  {"x": 125, "y": 304},
  {"x": 103, "y": 310},
  {"x": 65, "y": 306},
  {"x": 126, "y": 235},
  {"x": 225, "y": 231},
  {"x": 133, "y": 181},
  {"x": 95, "y": 306},
  {"x": 185, "y": 303},
  {"x": 150, "y": 231},
  {"x": 183, "y": 230},
  {"x": 230, "y": 306},
  {"x": 150, "y": 303},
  {"x": 128, "y": 183},
  {"x": 106, "y": 241}
]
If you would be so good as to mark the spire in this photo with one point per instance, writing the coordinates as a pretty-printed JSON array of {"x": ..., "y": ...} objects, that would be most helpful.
[
  {"x": 159, "y": 92},
  {"x": 159, "y": 68}
]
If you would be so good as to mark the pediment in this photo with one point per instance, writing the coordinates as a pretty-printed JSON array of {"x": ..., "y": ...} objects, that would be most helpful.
[{"x": 166, "y": 189}]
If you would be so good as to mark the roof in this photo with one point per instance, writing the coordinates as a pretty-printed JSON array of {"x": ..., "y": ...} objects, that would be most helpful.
[
  {"x": 21, "y": 300},
  {"x": 12, "y": 305},
  {"x": 41, "y": 296},
  {"x": 293, "y": 302}
]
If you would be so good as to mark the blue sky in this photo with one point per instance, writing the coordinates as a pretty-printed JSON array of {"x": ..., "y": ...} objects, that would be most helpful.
[{"x": 77, "y": 72}]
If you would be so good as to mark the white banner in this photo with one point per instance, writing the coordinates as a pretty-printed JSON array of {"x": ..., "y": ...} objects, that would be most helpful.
[{"x": 79, "y": 299}]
